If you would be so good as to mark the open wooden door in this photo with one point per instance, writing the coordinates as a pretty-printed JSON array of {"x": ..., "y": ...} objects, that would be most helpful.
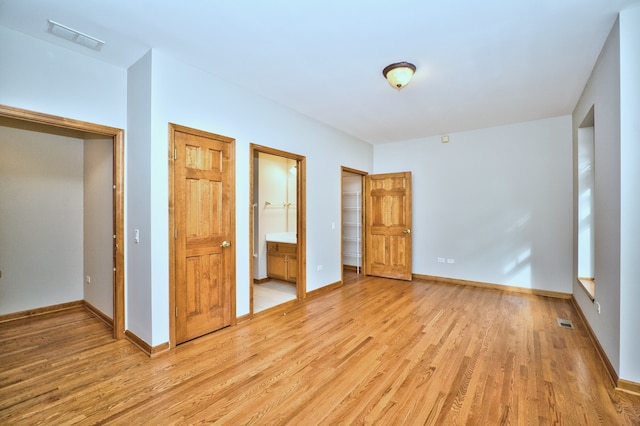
[
  {"x": 204, "y": 228},
  {"x": 388, "y": 225}
]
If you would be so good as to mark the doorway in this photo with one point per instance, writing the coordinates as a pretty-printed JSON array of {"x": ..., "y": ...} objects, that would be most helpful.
[
  {"x": 277, "y": 236},
  {"x": 352, "y": 221},
  {"x": 48, "y": 124}
]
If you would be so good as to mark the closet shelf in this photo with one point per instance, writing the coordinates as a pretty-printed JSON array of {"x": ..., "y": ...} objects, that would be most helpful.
[
  {"x": 352, "y": 219},
  {"x": 352, "y": 254}
]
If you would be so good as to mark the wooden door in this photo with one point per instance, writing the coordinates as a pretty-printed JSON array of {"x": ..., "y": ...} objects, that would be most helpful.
[
  {"x": 388, "y": 225},
  {"x": 204, "y": 214}
]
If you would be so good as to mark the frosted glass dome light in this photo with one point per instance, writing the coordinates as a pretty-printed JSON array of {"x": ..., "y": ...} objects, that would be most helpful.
[{"x": 399, "y": 74}]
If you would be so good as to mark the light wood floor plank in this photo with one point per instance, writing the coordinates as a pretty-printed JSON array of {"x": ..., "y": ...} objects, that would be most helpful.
[{"x": 374, "y": 351}]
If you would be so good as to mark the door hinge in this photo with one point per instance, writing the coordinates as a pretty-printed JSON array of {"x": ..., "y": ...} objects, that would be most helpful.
[
  {"x": 176, "y": 312},
  {"x": 175, "y": 154},
  {"x": 175, "y": 233}
]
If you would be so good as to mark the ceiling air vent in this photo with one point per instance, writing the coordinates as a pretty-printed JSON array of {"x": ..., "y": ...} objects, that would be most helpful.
[{"x": 75, "y": 36}]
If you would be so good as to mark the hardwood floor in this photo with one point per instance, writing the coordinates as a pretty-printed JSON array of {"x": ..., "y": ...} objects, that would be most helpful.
[{"x": 374, "y": 351}]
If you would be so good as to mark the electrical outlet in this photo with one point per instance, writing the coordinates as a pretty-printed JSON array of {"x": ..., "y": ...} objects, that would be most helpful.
[
  {"x": 88, "y": 279},
  {"x": 441, "y": 260},
  {"x": 320, "y": 267},
  {"x": 597, "y": 306},
  {"x": 451, "y": 261}
]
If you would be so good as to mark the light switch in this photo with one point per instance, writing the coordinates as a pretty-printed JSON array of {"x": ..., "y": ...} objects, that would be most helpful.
[{"x": 136, "y": 237}]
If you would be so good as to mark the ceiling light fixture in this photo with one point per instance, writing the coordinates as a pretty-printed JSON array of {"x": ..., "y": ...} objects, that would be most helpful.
[
  {"x": 399, "y": 74},
  {"x": 74, "y": 35}
]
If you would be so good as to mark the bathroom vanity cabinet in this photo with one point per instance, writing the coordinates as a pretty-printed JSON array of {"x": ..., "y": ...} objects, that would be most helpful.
[{"x": 282, "y": 261}]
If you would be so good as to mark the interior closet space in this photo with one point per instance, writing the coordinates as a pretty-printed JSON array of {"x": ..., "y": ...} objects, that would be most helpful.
[
  {"x": 56, "y": 217},
  {"x": 352, "y": 219}
]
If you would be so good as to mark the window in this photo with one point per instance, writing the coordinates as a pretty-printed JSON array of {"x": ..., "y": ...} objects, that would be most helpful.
[{"x": 586, "y": 184}]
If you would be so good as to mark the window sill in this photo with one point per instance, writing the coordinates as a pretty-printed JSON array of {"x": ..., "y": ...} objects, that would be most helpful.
[{"x": 589, "y": 286}]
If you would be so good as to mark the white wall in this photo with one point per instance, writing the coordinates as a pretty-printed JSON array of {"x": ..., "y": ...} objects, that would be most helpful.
[
  {"x": 292, "y": 196},
  {"x": 602, "y": 92},
  {"x": 187, "y": 96},
  {"x": 630, "y": 193},
  {"x": 41, "y": 202},
  {"x": 158, "y": 90},
  {"x": 498, "y": 201},
  {"x": 44, "y": 77},
  {"x": 139, "y": 304},
  {"x": 98, "y": 224},
  {"x": 614, "y": 91}
]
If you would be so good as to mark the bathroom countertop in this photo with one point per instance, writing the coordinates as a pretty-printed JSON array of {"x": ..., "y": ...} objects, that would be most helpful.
[{"x": 281, "y": 237}]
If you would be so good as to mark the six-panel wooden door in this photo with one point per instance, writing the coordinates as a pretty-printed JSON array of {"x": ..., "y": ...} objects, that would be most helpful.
[
  {"x": 388, "y": 225},
  {"x": 204, "y": 252}
]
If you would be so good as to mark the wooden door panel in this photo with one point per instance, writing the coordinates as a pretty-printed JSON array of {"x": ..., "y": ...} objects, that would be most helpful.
[
  {"x": 276, "y": 266},
  {"x": 388, "y": 225},
  {"x": 397, "y": 210},
  {"x": 377, "y": 253},
  {"x": 205, "y": 158},
  {"x": 377, "y": 209},
  {"x": 398, "y": 251},
  {"x": 205, "y": 297},
  {"x": 292, "y": 268},
  {"x": 203, "y": 218},
  {"x": 203, "y": 204}
]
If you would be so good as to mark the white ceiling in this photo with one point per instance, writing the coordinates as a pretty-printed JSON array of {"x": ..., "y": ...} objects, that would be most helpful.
[{"x": 480, "y": 63}]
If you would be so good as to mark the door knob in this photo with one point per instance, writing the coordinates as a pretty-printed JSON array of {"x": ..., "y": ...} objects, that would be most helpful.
[
  {"x": 225, "y": 244},
  {"x": 407, "y": 231}
]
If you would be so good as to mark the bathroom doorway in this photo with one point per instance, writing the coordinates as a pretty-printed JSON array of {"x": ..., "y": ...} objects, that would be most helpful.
[{"x": 277, "y": 228}]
